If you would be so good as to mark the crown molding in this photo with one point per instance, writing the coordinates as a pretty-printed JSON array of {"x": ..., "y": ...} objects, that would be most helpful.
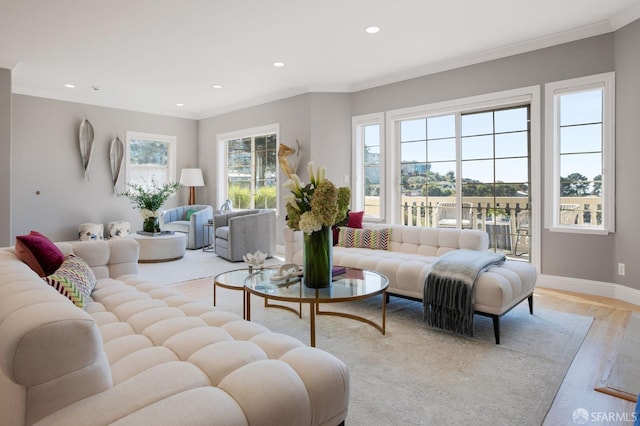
[
  {"x": 86, "y": 100},
  {"x": 623, "y": 18},
  {"x": 579, "y": 33}
]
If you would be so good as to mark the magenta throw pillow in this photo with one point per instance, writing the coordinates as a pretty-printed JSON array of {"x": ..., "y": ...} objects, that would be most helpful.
[
  {"x": 36, "y": 246},
  {"x": 355, "y": 219}
]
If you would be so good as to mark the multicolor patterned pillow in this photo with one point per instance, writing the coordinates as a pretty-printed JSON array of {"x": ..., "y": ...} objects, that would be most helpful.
[
  {"x": 365, "y": 238},
  {"x": 74, "y": 279}
]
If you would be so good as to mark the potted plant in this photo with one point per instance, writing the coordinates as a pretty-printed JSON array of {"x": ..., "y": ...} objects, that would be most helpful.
[{"x": 149, "y": 199}]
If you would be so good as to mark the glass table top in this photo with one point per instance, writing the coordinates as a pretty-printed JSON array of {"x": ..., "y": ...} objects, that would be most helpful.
[{"x": 353, "y": 284}]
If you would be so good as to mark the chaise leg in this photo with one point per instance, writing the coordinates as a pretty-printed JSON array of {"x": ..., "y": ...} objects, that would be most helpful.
[
  {"x": 386, "y": 297},
  {"x": 496, "y": 328},
  {"x": 530, "y": 299}
]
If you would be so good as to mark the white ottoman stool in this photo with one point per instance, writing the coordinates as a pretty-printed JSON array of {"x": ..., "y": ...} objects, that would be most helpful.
[
  {"x": 90, "y": 231},
  {"x": 118, "y": 229},
  {"x": 161, "y": 248}
]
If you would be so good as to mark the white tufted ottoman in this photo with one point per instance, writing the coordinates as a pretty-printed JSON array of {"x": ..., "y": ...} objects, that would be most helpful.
[{"x": 161, "y": 248}]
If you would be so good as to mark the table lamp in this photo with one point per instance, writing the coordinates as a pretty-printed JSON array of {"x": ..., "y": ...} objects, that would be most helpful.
[{"x": 191, "y": 178}]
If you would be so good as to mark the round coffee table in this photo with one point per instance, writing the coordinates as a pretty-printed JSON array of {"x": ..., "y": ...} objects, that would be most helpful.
[
  {"x": 162, "y": 247},
  {"x": 353, "y": 284}
]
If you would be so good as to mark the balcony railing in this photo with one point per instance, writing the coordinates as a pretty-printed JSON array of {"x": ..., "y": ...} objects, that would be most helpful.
[{"x": 505, "y": 219}]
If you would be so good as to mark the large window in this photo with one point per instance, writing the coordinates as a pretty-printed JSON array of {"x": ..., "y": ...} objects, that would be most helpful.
[
  {"x": 150, "y": 158},
  {"x": 368, "y": 166},
  {"x": 580, "y": 149},
  {"x": 469, "y": 164},
  {"x": 250, "y": 169}
]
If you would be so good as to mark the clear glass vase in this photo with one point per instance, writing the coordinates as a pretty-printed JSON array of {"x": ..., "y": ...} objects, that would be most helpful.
[
  {"x": 151, "y": 224},
  {"x": 318, "y": 258}
]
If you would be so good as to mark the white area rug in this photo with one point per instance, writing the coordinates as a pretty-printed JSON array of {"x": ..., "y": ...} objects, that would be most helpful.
[
  {"x": 415, "y": 375},
  {"x": 195, "y": 264}
]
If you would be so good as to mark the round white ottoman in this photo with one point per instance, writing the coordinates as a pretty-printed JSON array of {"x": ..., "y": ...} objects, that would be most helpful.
[{"x": 161, "y": 248}]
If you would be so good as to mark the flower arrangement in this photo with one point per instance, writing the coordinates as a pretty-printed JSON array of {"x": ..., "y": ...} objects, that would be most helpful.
[
  {"x": 317, "y": 204},
  {"x": 149, "y": 199}
]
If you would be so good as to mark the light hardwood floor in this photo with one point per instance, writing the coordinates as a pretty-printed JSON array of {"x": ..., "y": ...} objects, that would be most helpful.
[
  {"x": 593, "y": 357},
  {"x": 586, "y": 371}
]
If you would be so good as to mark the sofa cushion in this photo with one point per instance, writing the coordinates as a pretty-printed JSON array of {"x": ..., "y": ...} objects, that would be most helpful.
[
  {"x": 37, "y": 251},
  {"x": 364, "y": 238},
  {"x": 355, "y": 219},
  {"x": 177, "y": 226},
  {"x": 222, "y": 232},
  {"x": 74, "y": 280}
]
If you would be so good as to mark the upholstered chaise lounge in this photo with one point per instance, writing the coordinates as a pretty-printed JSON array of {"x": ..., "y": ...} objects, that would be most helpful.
[
  {"x": 411, "y": 252},
  {"x": 142, "y": 354}
]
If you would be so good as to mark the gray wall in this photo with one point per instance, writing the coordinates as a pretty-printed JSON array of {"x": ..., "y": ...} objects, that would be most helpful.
[
  {"x": 5, "y": 157},
  {"x": 627, "y": 65},
  {"x": 331, "y": 135},
  {"x": 46, "y": 158},
  {"x": 572, "y": 255},
  {"x": 45, "y": 155},
  {"x": 320, "y": 121},
  {"x": 293, "y": 115}
]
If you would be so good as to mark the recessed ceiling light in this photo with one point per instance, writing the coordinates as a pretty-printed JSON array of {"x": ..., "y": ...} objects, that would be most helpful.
[
  {"x": 179, "y": 105},
  {"x": 372, "y": 29},
  {"x": 70, "y": 86},
  {"x": 278, "y": 64},
  {"x": 217, "y": 86}
]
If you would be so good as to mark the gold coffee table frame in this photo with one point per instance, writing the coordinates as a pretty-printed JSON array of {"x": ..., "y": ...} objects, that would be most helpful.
[{"x": 354, "y": 284}]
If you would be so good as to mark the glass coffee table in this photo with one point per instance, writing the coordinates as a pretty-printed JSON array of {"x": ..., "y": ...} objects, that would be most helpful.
[{"x": 353, "y": 284}]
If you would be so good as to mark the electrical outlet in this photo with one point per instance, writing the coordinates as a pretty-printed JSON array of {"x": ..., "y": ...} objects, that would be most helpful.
[{"x": 621, "y": 269}]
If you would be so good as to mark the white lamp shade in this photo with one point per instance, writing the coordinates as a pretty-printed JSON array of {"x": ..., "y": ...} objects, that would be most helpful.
[{"x": 191, "y": 177}]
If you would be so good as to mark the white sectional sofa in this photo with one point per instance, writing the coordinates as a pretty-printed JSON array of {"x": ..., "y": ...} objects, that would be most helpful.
[
  {"x": 142, "y": 354},
  {"x": 411, "y": 252}
]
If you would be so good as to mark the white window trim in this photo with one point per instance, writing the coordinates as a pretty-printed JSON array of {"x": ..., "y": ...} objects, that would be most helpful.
[
  {"x": 222, "y": 139},
  {"x": 357, "y": 180},
  {"x": 171, "y": 140},
  {"x": 530, "y": 94},
  {"x": 552, "y": 148}
]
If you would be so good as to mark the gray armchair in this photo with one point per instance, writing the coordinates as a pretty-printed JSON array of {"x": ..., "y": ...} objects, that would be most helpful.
[
  {"x": 176, "y": 220},
  {"x": 240, "y": 232}
]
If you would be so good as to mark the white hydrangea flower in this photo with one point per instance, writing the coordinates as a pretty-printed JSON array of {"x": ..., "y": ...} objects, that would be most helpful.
[{"x": 309, "y": 224}]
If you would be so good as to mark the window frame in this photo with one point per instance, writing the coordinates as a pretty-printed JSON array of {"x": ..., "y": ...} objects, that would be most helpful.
[
  {"x": 494, "y": 100},
  {"x": 253, "y": 132},
  {"x": 357, "y": 181},
  {"x": 553, "y": 92},
  {"x": 171, "y": 140}
]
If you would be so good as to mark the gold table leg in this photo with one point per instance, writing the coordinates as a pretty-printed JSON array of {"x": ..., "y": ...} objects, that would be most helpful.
[{"x": 312, "y": 320}]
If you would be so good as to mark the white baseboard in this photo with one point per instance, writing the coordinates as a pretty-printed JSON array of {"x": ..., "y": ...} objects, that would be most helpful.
[{"x": 595, "y": 288}]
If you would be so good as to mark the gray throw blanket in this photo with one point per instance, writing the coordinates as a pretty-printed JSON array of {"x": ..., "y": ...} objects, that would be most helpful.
[{"x": 449, "y": 288}]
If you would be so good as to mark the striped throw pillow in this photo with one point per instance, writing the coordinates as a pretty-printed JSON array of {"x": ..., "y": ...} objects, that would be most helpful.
[
  {"x": 364, "y": 238},
  {"x": 74, "y": 279}
]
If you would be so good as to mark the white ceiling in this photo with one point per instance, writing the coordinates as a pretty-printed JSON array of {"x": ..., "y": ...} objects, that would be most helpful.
[{"x": 148, "y": 55}]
